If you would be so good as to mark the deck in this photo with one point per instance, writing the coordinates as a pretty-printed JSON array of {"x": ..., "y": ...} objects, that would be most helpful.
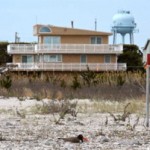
[
  {"x": 68, "y": 66},
  {"x": 64, "y": 48}
]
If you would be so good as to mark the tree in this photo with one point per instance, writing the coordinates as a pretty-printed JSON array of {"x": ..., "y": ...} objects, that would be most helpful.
[
  {"x": 132, "y": 56},
  {"x": 4, "y": 57}
]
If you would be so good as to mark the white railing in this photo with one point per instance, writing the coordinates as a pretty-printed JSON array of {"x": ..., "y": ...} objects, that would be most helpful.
[
  {"x": 68, "y": 66},
  {"x": 21, "y": 48},
  {"x": 64, "y": 48}
]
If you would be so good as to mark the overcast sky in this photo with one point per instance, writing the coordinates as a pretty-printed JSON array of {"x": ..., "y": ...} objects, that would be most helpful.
[{"x": 20, "y": 16}]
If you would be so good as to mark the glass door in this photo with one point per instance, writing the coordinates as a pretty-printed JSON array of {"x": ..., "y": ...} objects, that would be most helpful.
[{"x": 27, "y": 59}]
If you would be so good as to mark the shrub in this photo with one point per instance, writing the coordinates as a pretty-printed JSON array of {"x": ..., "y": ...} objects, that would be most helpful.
[
  {"x": 89, "y": 77},
  {"x": 120, "y": 80},
  {"x": 6, "y": 82},
  {"x": 63, "y": 83},
  {"x": 75, "y": 83}
]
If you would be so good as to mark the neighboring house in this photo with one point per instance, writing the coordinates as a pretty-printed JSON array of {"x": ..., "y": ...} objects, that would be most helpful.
[
  {"x": 66, "y": 49},
  {"x": 146, "y": 50}
]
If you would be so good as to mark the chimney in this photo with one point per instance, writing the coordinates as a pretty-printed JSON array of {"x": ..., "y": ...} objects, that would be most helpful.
[
  {"x": 72, "y": 24},
  {"x": 95, "y": 24}
]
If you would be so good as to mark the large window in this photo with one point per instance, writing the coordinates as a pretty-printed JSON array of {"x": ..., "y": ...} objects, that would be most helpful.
[
  {"x": 51, "y": 40},
  {"x": 83, "y": 59},
  {"x": 107, "y": 59},
  {"x": 27, "y": 59},
  {"x": 52, "y": 58},
  {"x": 96, "y": 40}
]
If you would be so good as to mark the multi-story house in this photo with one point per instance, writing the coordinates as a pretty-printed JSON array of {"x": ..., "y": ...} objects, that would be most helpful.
[{"x": 66, "y": 49}]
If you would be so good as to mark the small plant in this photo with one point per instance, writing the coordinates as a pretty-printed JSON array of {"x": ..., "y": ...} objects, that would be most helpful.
[
  {"x": 37, "y": 97},
  {"x": 61, "y": 116},
  {"x": 21, "y": 114},
  {"x": 89, "y": 77},
  {"x": 54, "y": 79},
  {"x": 54, "y": 106},
  {"x": 106, "y": 121},
  {"x": 47, "y": 78},
  {"x": 75, "y": 83},
  {"x": 66, "y": 108},
  {"x": 63, "y": 83},
  {"x": 21, "y": 98},
  {"x": 120, "y": 80},
  {"x": 6, "y": 82},
  {"x": 123, "y": 116},
  {"x": 132, "y": 127}
]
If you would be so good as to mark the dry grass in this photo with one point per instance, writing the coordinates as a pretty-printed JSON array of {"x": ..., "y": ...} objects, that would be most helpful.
[
  {"x": 107, "y": 86},
  {"x": 90, "y": 106},
  {"x": 62, "y": 107},
  {"x": 136, "y": 106}
]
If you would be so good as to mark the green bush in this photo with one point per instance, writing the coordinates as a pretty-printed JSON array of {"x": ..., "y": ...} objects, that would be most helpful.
[
  {"x": 75, "y": 83},
  {"x": 89, "y": 77},
  {"x": 6, "y": 82},
  {"x": 63, "y": 83},
  {"x": 120, "y": 80}
]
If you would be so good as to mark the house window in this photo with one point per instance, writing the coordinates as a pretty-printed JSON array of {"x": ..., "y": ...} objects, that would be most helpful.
[
  {"x": 107, "y": 58},
  {"x": 96, "y": 40},
  {"x": 51, "y": 40},
  {"x": 83, "y": 59},
  {"x": 27, "y": 59},
  {"x": 52, "y": 58},
  {"x": 45, "y": 29}
]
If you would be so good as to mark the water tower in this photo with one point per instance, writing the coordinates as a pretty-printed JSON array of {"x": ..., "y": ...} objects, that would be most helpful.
[{"x": 123, "y": 23}]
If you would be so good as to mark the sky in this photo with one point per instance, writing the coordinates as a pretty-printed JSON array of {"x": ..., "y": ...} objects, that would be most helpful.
[{"x": 20, "y": 16}]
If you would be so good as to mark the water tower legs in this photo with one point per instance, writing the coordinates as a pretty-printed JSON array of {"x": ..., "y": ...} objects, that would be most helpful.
[
  {"x": 131, "y": 38},
  {"x": 123, "y": 38},
  {"x": 114, "y": 37}
]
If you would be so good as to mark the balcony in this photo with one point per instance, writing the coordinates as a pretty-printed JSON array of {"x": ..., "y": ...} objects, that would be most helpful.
[
  {"x": 64, "y": 48},
  {"x": 67, "y": 66}
]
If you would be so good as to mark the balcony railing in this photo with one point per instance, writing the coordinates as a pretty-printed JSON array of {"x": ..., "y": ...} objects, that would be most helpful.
[
  {"x": 64, "y": 48},
  {"x": 67, "y": 66}
]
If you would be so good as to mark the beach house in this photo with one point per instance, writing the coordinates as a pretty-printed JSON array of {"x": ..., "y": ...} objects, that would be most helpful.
[{"x": 66, "y": 49}]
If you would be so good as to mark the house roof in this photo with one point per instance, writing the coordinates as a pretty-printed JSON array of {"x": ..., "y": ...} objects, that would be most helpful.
[
  {"x": 55, "y": 30},
  {"x": 146, "y": 45}
]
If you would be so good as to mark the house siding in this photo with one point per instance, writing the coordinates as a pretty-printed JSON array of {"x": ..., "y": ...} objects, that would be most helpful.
[
  {"x": 95, "y": 58},
  {"x": 71, "y": 58},
  {"x": 146, "y": 51},
  {"x": 17, "y": 58},
  {"x": 113, "y": 58}
]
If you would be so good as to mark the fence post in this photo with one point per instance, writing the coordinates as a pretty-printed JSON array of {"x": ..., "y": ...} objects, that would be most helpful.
[
  {"x": 147, "y": 95},
  {"x": 147, "y": 89}
]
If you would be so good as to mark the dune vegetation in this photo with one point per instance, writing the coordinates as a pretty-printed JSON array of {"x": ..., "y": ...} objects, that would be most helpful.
[{"x": 118, "y": 86}]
